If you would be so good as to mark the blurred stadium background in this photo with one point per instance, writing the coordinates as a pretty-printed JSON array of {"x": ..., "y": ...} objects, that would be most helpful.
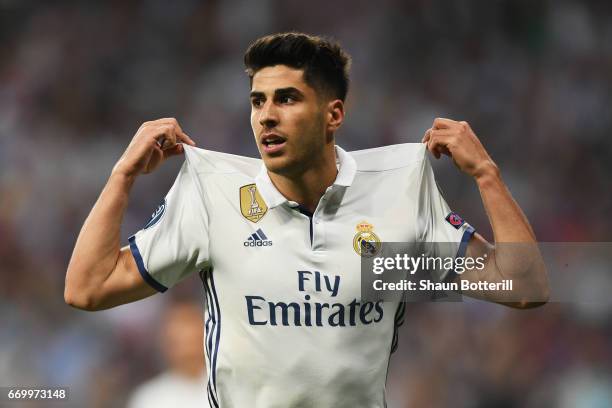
[{"x": 533, "y": 78}]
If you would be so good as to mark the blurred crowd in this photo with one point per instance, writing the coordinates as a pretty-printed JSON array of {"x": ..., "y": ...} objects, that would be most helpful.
[{"x": 533, "y": 78}]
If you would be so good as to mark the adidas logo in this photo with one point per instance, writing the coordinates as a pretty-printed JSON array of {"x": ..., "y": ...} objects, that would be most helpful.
[{"x": 257, "y": 239}]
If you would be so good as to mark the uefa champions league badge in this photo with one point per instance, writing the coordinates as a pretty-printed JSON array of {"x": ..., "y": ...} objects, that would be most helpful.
[
  {"x": 366, "y": 242},
  {"x": 157, "y": 215},
  {"x": 455, "y": 220}
]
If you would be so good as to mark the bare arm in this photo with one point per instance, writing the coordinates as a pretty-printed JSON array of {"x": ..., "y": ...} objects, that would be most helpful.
[
  {"x": 515, "y": 256},
  {"x": 100, "y": 274}
]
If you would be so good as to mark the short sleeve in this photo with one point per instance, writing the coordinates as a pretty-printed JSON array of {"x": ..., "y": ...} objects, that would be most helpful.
[
  {"x": 174, "y": 243},
  {"x": 443, "y": 231}
]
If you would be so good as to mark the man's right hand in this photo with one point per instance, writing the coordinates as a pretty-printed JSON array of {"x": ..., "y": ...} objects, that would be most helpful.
[
  {"x": 154, "y": 142},
  {"x": 100, "y": 273}
]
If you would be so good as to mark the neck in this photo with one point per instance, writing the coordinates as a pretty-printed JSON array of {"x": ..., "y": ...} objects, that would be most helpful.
[{"x": 307, "y": 187}]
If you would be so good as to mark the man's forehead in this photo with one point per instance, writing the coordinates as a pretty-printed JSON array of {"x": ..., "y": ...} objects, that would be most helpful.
[{"x": 278, "y": 76}]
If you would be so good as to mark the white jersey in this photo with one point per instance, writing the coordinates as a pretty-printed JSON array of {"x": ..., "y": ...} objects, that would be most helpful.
[{"x": 285, "y": 323}]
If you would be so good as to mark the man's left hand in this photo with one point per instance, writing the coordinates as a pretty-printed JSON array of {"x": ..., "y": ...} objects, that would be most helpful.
[{"x": 458, "y": 141}]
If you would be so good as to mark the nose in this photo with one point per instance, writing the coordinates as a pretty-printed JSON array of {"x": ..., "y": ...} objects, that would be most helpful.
[{"x": 268, "y": 115}]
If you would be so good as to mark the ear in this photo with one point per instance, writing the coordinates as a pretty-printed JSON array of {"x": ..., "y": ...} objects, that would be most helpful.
[{"x": 335, "y": 115}]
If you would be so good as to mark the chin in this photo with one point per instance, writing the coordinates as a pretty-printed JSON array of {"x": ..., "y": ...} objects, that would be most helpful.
[{"x": 279, "y": 165}]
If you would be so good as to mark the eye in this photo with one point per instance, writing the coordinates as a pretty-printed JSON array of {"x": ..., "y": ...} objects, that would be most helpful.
[
  {"x": 257, "y": 102},
  {"x": 286, "y": 99}
]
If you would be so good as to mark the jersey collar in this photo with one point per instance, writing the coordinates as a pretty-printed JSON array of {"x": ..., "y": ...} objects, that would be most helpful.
[{"x": 347, "y": 167}]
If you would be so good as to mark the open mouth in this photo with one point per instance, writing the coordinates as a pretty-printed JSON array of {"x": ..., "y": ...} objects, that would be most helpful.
[{"x": 273, "y": 143}]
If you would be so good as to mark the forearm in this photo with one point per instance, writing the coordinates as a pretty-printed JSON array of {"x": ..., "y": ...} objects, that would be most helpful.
[
  {"x": 508, "y": 221},
  {"x": 516, "y": 255},
  {"x": 97, "y": 248}
]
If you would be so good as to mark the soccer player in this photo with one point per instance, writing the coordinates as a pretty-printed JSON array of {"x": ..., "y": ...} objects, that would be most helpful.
[{"x": 278, "y": 242}]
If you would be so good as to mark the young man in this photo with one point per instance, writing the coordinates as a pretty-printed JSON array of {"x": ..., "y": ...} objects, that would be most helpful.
[{"x": 278, "y": 243}]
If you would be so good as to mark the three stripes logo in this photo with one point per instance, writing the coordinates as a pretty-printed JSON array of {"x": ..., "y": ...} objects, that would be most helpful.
[{"x": 257, "y": 239}]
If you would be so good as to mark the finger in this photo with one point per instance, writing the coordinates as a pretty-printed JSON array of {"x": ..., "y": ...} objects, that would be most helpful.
[
  {"x": 168, "y": 121},
  {"x": 465, "y": 124},
  {"x": 164, "y": 121},
  {"x": 157, "y": 122},
  {"x": 443, "y": 123},
  {"x": 438, "y": 143},
  {"x": 432, "y": 147},
  {"x": 443, "y": 132},
  {"x": 438, "y": 151},
  {"x": 430, "y": 132},
  {"x": 180, "y": 134},
  {"x": 426, "y": 136},
  {"x": 184, "y": 137},
  {"x": 166, "y": 137},
  {"x": 174, "y": 151}
]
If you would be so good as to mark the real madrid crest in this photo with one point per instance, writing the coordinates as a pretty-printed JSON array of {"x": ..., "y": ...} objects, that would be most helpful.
[
  {"x": 366, "y": 242},
  {"x": 252, "y": 206}
]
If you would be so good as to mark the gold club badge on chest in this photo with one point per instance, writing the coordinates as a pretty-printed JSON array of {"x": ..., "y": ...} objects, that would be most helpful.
[
  {"x": 366, "y": 242},
  {"x": 252, "y": 206}
]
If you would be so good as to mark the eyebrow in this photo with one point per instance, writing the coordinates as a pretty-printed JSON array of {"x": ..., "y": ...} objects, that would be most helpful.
[{"x": 281, "y": 91}]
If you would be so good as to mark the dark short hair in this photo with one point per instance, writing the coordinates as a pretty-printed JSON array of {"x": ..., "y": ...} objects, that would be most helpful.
[{"x": 326, "y": 65}]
